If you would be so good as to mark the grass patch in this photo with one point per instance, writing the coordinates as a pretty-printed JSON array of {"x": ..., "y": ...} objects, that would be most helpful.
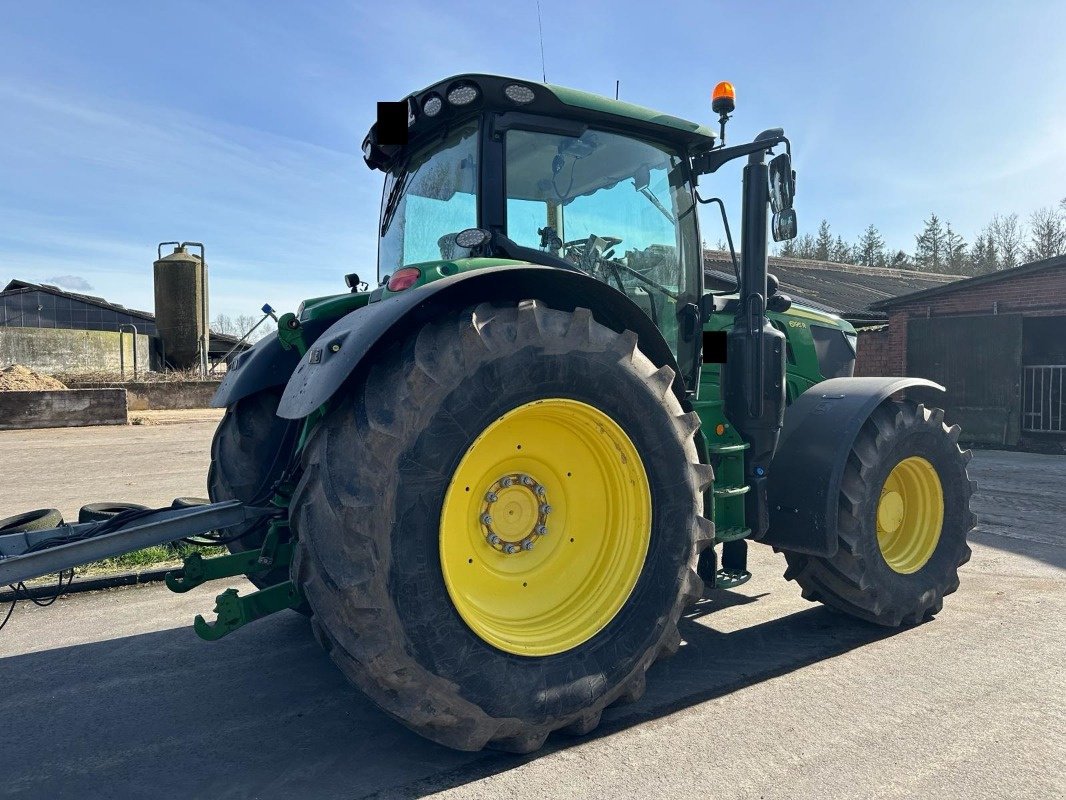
[{"x": 157, "y": 557}]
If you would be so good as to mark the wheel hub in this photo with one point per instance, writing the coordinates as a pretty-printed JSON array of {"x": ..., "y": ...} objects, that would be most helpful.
[
  {"x": 910, "y": 515},
  {"x": 515, "y": 513},
  {"x": 890, "y": 511},
  {"x": 545, "y": 527}
]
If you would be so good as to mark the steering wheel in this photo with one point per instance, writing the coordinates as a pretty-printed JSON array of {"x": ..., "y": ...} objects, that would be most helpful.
[{"x": 581, "y": 253}]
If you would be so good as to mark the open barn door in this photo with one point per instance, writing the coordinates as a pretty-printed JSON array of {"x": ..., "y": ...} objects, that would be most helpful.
[{"x": 979, "y": 360}]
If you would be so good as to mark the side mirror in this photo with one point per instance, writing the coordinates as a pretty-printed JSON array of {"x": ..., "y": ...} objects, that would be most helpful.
[
  {"x": 772, "y": 284},
  {"x": 782, "y": 183},
  {"x": 784, "y": 225},
  {"x": 779, "y": 303}
]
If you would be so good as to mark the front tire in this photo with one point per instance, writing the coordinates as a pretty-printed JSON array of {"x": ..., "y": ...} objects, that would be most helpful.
[
  {"x": 903, "y": 519},
  {"x": 388, "y": 535},
  {"x": 250, "y": 452}
]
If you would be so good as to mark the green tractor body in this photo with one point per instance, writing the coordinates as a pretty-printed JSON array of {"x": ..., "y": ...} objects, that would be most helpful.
[{"x": 511, "y": 464}]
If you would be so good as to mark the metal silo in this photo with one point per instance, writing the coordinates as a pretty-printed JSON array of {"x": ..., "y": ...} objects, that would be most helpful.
[{"x": 181, "y": 307}]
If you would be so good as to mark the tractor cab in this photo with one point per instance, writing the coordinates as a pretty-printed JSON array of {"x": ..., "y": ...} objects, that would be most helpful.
[{"x": 552, "y": 176}]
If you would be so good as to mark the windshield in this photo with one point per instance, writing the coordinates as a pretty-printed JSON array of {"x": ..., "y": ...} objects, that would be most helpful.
[
  {"x": 618, "y": 208},
  {"x": 428, "y": 200}
]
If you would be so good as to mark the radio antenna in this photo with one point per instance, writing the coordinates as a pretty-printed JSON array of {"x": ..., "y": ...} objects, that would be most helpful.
[
  {"x": 540, "y": 26},
  {"x": 616, "y": 85}
]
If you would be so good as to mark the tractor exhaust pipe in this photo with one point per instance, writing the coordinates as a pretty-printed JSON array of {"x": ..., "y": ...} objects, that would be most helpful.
[{"x": 753, "y": 379}]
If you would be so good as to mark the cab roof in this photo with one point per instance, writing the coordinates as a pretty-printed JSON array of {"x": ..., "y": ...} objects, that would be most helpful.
[{"x": 549, "y": 100}]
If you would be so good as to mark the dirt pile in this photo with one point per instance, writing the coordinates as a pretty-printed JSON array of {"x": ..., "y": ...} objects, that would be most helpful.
[{"x": 18, "y": 378}]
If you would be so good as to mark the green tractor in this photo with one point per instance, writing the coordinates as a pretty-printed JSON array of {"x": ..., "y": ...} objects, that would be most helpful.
[{"x": 507, "y": 466}]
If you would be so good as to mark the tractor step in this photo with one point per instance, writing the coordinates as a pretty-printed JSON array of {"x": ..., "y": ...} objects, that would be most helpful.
[
  {"x": 722, "y": 449},
  {"x": 733, "y": 491},
  {"x": 731, "y": 534},
  {"x": 725, "y": 579}
]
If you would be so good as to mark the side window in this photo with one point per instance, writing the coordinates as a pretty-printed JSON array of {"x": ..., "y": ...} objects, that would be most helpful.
[{"x": 524, "y": 219}]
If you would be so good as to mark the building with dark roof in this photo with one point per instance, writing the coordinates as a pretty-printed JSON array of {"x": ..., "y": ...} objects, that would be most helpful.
[
  {"x": 847, "y": 290},
  {"x": 28, "y": 307},
  {"x": 996, "y": 341}
]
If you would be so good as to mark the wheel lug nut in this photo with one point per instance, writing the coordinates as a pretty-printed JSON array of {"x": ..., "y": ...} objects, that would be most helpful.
[
  {"x": 541, "y": 491},
  {"x": 541, "y": 530},
  {"x": 506, "y": 482},
  {"x": 526, "y": 480},
  {"x": 494, "y": 539},
  {"x": 527, "y": 545},
  {"x": 510, "y": 549},
  {"x": 545, "y": 509},
  {"x": 486, "y": 519},
  {"x": 492, "y": 497}
]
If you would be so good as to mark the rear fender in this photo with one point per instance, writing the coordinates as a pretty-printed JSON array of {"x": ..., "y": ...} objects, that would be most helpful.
[
  {"x": 266, "y": 364},
  {"x": 351, "y": 342},
  {"x": 804, "y": 477}
]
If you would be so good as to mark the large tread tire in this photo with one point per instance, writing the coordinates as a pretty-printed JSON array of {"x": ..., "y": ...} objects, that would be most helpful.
[
  {"x": 857, "y": 580},
  {"x": 368, "y": 506},
  {"x": 250, "y": 452}
]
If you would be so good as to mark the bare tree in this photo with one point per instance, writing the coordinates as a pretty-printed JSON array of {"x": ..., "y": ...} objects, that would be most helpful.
[
  {"x": 1047, "y": 236},
  {"x": 225, "y": 325},
  {"x": 1007, "y": 234}
]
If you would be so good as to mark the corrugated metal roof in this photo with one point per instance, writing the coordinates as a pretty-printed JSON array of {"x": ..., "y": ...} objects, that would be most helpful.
[{"x": 853, "y": 292}]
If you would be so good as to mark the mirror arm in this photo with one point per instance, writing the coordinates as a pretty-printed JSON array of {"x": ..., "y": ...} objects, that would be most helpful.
[{"x": 709, "y": 162}]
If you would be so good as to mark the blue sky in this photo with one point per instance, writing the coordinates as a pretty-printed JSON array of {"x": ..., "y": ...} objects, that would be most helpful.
[{"x": 238, "y": 123}]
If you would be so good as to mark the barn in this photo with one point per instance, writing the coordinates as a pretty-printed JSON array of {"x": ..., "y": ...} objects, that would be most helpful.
[
  {"x": 52, "y": 330},
  {"x": 996, "y": 341}
]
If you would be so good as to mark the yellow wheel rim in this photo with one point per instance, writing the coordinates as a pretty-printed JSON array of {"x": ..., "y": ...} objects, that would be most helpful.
[
  {"x": 545, "y": 527},
  {"x": 910, "y": 515}
]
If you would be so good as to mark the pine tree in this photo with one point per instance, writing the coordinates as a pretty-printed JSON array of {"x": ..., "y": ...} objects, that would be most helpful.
[
  {"x": 1007, "y": 235},
  {"x": 787, "y": 249},
  {"x": 841, "y": 252},
  {"x": 984, "y": 256},
  {"x": 955, "y": 258},
  {"x": 805, "y": 247},
  {"x": 929, "y": 250},
  {"x": 901, "y": 261},
  {"x": 1048, "y": 234},
  {"x": 823, "y": 246},
  {"x": 870, "y": 249}
]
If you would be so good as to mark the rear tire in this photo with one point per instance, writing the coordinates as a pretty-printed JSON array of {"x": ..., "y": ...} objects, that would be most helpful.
[
  {"x": 372, "y": 554},
  {"x": 860, "y": 580},
  {"x": 249, "y": 454}
]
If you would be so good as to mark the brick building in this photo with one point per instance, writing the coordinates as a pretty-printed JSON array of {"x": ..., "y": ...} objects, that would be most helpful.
[{"x": 997, "y": 342}]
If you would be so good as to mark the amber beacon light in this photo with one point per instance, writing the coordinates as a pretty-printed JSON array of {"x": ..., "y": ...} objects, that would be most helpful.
[{"x": 723, "y": 98}]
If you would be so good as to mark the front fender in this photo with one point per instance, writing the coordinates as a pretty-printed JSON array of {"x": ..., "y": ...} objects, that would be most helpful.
[
  {"x": 803, "y": 485},
  {"x": 352, "y": 341}
]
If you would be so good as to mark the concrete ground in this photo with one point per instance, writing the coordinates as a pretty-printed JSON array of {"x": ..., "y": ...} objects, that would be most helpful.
[{"x": 112, "y": 695}]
